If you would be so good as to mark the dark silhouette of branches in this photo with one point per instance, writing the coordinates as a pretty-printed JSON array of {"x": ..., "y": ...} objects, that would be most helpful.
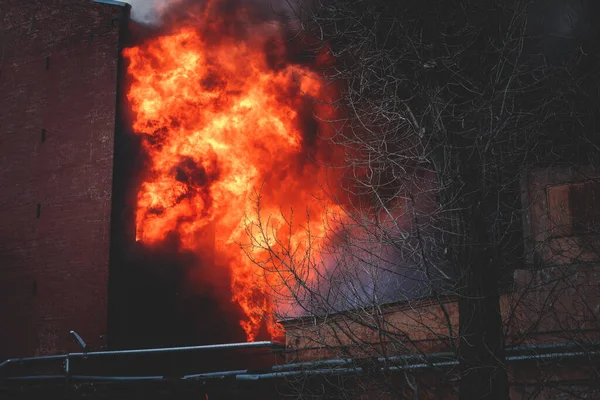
[{"x": 462, "y": 124}]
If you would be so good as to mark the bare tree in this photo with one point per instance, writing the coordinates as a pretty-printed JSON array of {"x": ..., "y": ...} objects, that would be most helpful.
[{"x": 446, "y": 109}]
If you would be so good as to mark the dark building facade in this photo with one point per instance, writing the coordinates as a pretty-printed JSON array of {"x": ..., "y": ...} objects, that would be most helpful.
[{"x": 59, "y": 90}]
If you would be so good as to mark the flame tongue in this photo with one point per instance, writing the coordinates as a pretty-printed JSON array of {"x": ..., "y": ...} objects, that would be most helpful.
[{"x": 217, "y": 124}]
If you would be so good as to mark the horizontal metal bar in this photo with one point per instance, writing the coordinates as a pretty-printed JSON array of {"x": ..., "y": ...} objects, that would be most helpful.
[
  {"x": 410, "y": 366},
  {"x": 279, "y": 372},
  {"x": 552, "y": 355},
  {"x": 87, "y": 378},
  {"x": 423, "y": 357},
  {"x": 221, "y": 374},
  {"x": 224, "y": 346},
  {"x": 312, "y": 364},
  {"x": 421, "y": 366},
  {"x": 431, "y": 356},
  {"x": 242, "y": 375},
  {"x": 568, "y": 345},
  {"x": 273, "y": 375},
  {"x": 38, "y": 358},
  {"x": 347, "y": 361},
  {"x": 117, "y": 378},
  {"x": 34, "y": 377}
]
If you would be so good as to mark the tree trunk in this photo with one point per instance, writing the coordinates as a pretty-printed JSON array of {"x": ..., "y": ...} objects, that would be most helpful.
[{"x": 481, "y": 345}]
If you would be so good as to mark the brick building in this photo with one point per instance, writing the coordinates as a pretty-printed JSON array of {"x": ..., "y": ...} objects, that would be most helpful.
[{"x": 59, "y": 80}]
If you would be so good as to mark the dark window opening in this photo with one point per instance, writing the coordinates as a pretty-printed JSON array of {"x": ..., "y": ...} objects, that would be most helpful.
[
  {"x": 34, "y": 288},
  {"x": 43, "y": 135},
  {"x": 585, "y": 207},
  {"x": 574, "y": 209},
  {"x": 38, "y": 211},
  {"x": 48, "y": 62}
]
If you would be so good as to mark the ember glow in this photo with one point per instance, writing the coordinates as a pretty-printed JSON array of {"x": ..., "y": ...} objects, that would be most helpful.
[{"x": 218, "y": 123}]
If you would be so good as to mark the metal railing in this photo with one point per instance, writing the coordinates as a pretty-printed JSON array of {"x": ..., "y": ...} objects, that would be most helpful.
[{"x": 321, "y": 367}]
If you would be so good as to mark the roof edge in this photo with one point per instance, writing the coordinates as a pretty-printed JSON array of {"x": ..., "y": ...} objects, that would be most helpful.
[{"x": 388, "y": 307}]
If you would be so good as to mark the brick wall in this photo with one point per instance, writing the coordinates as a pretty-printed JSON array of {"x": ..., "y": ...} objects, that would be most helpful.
[{"x": 58, "y": 93}]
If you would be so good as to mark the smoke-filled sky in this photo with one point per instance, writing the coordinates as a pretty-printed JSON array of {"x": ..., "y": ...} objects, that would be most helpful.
[{"x": 149, "y": 11}]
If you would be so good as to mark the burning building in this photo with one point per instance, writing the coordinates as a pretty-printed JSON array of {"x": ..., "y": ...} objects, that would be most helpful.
[
  {"x": 188, "y": 127},
  {"x": 129, "y": 162},
  {"x": 147, "y": 175}
]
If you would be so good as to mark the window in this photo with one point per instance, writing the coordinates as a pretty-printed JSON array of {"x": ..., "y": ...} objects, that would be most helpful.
[
  {"x": 585, "y": 207},
  {"x": 574, "y": 209}
]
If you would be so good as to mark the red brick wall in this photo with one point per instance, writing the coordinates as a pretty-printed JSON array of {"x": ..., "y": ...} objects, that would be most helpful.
[{"x": 58, "y": 72}]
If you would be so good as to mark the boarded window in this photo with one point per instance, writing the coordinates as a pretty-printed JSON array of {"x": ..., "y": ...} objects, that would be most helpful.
[
  {"x": 585, "y": 207},
  {"x": 559, "y": 208},
  {"x": 574, "y": 209}
]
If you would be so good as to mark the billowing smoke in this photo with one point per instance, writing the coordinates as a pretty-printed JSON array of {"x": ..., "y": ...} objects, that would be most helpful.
[
  {"x": 149, "y": 11},
  {"x": 152, "y": 11}
]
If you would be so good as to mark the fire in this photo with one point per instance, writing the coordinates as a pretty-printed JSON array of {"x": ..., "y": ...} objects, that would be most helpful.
[{"x": 218, "y": 123}]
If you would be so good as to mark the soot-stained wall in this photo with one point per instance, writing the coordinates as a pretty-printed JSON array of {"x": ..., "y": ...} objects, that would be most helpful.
[{"x": 59, "y": 63}]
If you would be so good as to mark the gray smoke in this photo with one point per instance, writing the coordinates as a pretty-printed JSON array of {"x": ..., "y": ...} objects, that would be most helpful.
[
  {"x": 149, "y": 11},
  {"x": 152, "y": 11}
]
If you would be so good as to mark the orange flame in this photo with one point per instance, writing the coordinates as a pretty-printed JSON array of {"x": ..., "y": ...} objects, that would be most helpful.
[{"x": 217, "y": 124}]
